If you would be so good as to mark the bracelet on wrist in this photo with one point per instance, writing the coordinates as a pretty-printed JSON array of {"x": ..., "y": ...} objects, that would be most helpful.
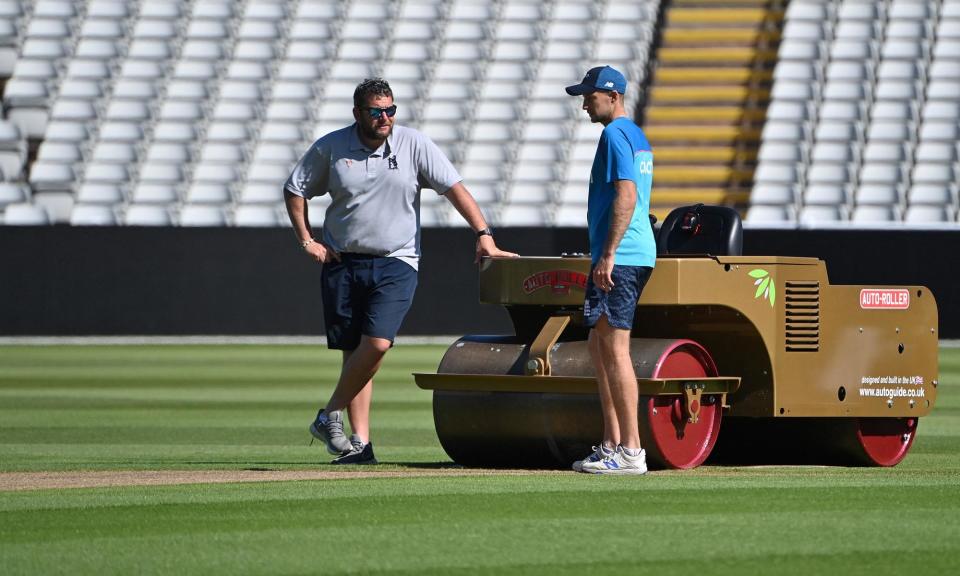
[{"x": 306, "y": 243}]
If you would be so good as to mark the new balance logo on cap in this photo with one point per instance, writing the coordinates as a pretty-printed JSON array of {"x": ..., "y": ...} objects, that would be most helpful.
[{"x": 608, "y": 85}]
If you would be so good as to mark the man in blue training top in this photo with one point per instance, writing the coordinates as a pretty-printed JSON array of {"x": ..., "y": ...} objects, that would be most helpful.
[{"x": 623, "y": 256}]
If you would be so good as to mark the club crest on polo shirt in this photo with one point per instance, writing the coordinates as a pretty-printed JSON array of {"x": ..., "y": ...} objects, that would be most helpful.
[{"x": 392, "y": 163}]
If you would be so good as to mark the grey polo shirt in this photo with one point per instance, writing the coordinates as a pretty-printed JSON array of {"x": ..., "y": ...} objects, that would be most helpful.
[{"x": 375, "y": 194}]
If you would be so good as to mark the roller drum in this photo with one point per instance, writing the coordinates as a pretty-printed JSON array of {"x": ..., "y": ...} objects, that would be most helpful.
[{"x": 508, "y": 429}]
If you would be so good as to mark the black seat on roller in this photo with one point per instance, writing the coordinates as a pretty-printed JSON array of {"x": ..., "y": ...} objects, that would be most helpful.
[{"x": 701, "y": 229}]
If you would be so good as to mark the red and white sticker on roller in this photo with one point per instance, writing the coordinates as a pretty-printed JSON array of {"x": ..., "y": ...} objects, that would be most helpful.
[{"x": 885, "y": 299}]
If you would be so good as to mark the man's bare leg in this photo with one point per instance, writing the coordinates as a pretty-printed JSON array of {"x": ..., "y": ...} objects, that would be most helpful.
[
  {"x": 359, "y": 408},
  {"x": 355, "y": 388},
  {"x": 614, "y": 347},
  {"x": 611, "y": 426}
]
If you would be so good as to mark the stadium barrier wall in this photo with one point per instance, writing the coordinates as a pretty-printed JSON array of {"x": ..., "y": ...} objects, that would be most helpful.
[{"x": 68, "y": 281}]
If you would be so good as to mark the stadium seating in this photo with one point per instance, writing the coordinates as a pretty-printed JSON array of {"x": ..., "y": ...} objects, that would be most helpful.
[
  {"x": 191, "y": 112},
  {"x": 863, "y": 120},
  {"x": 159, "y": 112}
]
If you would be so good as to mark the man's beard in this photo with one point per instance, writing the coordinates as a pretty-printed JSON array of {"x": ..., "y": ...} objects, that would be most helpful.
[{"x": 371, "y": 132}]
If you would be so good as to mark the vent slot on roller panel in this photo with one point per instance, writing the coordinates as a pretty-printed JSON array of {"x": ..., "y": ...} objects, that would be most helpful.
[{"x": 802, "y": 300}]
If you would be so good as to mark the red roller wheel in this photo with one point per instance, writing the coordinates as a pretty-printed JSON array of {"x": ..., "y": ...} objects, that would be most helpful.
[
  {"x": 880, "y": 441},
  {"x": 670, "y": 440}
]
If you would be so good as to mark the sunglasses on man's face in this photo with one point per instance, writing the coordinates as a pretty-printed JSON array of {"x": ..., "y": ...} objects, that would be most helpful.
[{"x": 376, "y": 113}]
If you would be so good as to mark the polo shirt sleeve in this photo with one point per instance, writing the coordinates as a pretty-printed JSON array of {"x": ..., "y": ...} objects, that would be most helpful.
[
  {"x": 310, "y": 177},
  {"x": 619, "y": 156},
  {"x": 434, "y": 170}
]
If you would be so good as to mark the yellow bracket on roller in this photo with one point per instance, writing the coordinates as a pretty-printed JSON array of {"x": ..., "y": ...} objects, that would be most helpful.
[
  {"x": 691, "y": 393},
  {"x": 539, "y": 362}
]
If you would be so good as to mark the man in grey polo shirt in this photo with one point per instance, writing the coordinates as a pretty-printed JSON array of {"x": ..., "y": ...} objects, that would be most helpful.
[{"x": 370, "y": 246}]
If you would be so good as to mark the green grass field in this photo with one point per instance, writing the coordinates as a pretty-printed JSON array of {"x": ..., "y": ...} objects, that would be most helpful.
[{"x": 79, "y": 408}]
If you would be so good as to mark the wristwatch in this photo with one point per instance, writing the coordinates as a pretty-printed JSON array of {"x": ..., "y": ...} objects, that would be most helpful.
[{"x": 484, "y": 232}]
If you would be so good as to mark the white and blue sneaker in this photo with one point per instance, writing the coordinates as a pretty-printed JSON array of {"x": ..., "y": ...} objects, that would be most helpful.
[
  {"x": 599, "y": 453},
  {"x": 619, "y": 463}
]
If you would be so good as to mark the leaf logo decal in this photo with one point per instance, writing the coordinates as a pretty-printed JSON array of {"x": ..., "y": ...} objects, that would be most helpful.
[{"x": 765, "y": 285}]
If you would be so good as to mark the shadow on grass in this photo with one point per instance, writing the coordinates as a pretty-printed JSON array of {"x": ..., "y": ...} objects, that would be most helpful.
[
  {"x": 426, "y": 465},
  {"x": 277, "y": 466},
  {"x": 455, "y": 466}
]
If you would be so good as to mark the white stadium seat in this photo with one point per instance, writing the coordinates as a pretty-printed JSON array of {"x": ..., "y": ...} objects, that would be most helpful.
[
  {"x": 168, "y": 152},
  {"x": 162, "y": 194},
  {"x": 99, "y": 193},
  {"x": 221, "y": 152},
  {"x": 773, "y": 194},
  {"x": 12, "y": 193},
  {"x": 820, "y": 215},
  {"x": 147, "y": 215},
  {"x": 877, "y": 194},
  {"x": 874, "y": 214},
  {"x": 59, "y": 152},
  {"x": 777, "y": 215},
  {"x": 25, "y": 214},
  {"x": 879, "y": 151},
  {"x": 202, "y": 215},
  {"x": 932, "y": 194},
  {"x": 115, "y": 152},
  {"x": 256, "y": 216},
  {"x": 827, "y": 194},
  {"x": 924, "y": 214},
  {"x": 93, "y": 215}
]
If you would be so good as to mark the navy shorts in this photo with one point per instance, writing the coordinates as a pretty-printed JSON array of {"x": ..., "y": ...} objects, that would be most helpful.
[
  {"x": 365, "y": 295},
  {"x": 620, "y": 303}
]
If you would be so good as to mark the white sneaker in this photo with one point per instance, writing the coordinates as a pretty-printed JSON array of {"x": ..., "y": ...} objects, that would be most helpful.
[
  {"x": 619, "y": 463},
  {"x": 599, "y": 453}
]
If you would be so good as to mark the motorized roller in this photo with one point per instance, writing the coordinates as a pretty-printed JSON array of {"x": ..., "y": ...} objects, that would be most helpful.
[{"x": 801, "y": 370}]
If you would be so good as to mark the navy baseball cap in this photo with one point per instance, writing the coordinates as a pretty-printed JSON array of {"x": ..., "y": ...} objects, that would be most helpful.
[{"x": 599, "y": 78}]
